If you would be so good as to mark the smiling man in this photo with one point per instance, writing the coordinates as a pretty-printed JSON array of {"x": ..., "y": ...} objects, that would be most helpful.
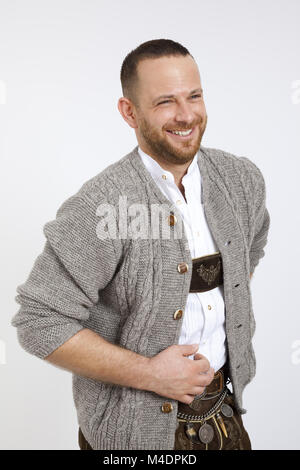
[{"x": 155, "y": 330}]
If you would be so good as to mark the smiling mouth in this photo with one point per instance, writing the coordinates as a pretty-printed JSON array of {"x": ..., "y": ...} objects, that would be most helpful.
[{"x": 182, "y": 135}]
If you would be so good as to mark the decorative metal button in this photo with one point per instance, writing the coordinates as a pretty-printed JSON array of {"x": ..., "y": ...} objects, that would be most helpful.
[
  {"x": 164, "y": 177},
  {"x": 206, "y": 433},
  {"x": 182, "y": 267},
  {"x": 209, "y": 307},
  {"x": 172, "y": 219},
  {"x": 178, "y": 314},
  {"x": 226, "y": 410},
  {"x": 167, "y": 407}
]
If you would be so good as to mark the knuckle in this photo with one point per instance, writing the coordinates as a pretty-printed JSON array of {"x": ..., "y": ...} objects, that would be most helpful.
[
  {"x": 206, "y": 363},
  {"x": 187, "y": 399},
  {"x": 205, "y": 381},
  {"x": 205, "y": 368}
]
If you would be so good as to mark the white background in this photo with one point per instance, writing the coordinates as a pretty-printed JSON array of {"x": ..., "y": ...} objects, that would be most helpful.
[{"x": 60, "y": 64}]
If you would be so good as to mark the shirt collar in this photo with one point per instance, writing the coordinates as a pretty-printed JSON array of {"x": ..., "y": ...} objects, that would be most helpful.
[{"x": 157, "y": 171}]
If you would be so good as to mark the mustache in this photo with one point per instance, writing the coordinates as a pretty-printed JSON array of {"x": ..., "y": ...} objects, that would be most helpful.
[{"x": 183, "y": 127}]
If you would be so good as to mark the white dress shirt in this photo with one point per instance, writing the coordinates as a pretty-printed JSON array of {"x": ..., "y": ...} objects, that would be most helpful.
[{"x": 204, "y": 313}]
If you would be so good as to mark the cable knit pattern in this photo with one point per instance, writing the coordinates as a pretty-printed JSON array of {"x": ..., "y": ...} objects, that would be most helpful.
[{"x": 128, "y": 289}]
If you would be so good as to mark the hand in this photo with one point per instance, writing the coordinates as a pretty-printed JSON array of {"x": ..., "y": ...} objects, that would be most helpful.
[{"x": 175, "y": 376}]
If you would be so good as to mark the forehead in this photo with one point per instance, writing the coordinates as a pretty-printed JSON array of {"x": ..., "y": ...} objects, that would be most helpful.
[{"x": 167, "y": 75}]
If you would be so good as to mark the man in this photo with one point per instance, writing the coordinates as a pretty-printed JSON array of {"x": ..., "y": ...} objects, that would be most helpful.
[{"x": 154, "y": 323}]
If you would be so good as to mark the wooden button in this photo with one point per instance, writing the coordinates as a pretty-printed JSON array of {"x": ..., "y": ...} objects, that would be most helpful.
[
  {"x": 167, "y": 407},
  {"x": 178, "y": 314},
  {"x": 172, "y": 219},
  {"x": 182, "y": 267}
]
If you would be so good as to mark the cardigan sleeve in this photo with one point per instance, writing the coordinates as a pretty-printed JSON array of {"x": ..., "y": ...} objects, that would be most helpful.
[
  {"x": 65, "y": 280},
  {"x": 261, "y": 216}
]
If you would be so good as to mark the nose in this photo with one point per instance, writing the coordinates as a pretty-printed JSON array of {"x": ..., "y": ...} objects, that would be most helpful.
[{"x": 184, "y": 112}]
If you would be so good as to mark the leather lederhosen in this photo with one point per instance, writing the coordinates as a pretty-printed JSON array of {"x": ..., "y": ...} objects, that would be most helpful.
[{"x": 207, "y": 272}]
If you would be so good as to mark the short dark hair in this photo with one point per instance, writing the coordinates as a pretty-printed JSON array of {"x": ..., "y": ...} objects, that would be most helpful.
[{"x": 147, "y": 50}]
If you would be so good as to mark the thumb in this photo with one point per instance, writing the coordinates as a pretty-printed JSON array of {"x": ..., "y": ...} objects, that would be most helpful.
[{"x": 188, "y": 349}]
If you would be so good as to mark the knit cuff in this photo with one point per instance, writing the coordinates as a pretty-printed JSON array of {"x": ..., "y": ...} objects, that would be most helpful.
[{"x": 39, "y": 346}]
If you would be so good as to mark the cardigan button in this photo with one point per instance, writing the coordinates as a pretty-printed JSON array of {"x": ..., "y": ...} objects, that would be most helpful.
[
  {"x": 167, "y": 407},
  {"x": 178, "y": 314},
  {"x": 172, "y": 219},
  {"x": 182, "y": 267}
]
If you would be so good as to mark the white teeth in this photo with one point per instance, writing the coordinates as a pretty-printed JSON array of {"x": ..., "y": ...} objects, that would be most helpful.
[{"x": 182, "y": 132}]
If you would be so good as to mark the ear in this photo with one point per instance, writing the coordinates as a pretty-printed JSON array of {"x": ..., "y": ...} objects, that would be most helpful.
[{"x": 127, "y": 111}]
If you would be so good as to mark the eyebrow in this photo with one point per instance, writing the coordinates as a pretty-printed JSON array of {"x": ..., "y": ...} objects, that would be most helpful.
[{"x": 173, "y": 96}]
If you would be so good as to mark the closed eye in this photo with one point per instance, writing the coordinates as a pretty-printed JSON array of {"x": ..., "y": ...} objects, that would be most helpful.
[{"x": 167, "y": 101}]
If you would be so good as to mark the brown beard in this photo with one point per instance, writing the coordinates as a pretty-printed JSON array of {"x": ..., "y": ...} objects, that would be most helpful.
[{"x": 161, "y": 148}]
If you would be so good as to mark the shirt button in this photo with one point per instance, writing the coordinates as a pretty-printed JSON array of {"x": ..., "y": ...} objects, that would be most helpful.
[
  {"x": 164, "y": 177},
  {"x": 167, "y": 407},
  {"x": 172, "y": 219},
  {"x": 179, "y": 201},
  {"x": 209, "y": 307},
  {"x": 182, "y": 267},
  {"x": 178, "y": 314}
]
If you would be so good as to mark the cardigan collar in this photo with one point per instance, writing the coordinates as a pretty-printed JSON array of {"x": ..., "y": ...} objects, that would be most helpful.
[
  {"x": 156, "y": 169},
  {"x": 137, "y": 162},
  {"x": 217, "y": 203}
]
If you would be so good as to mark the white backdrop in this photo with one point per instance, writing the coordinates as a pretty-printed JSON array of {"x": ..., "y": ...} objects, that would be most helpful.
[{"x": 60, "y": 63}]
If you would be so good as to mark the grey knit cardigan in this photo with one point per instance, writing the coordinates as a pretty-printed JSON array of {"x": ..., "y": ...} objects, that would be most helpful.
[{"x": 127, "y": 290}]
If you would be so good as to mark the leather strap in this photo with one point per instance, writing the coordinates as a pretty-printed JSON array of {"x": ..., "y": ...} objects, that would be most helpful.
[{"x": 219, "y": 380}]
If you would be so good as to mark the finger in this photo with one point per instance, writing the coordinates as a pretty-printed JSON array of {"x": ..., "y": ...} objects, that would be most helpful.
[
  {"x": 187, "y": 349},
  {"x": 207, "y": 379},
  {"x": 198, "y": 356},
  {"x": 203, "y": 365},
  {"x": 204, "y": 380},
  {"x": 198, "y": 390},
  {"x": 188, "y": 399},
  {"x": 210, "y": 372}
]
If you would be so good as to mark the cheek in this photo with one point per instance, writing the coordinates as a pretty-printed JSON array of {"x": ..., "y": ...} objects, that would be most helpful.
[
  {"x": 164, "y": 119},
  {"x": 203, "y": 109}
]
